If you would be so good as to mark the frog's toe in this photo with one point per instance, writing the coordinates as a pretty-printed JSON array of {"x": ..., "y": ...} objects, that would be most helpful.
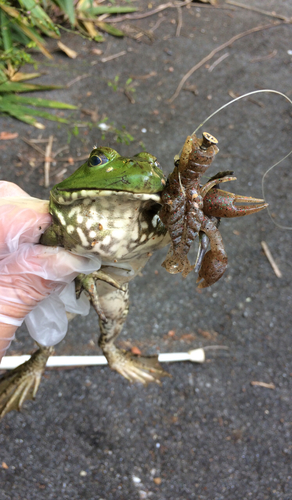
[
  {"x": 22, "y": 383},
  {"x": 135, "y": 368}
]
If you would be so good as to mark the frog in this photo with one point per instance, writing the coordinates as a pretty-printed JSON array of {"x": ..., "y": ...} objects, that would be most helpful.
[{"x": 108, "y": 208}]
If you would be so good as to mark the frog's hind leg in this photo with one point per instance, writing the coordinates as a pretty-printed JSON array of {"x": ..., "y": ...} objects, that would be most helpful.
[
  {"x": 22, "y": 383},
  {"x": 115, "y": 306}
]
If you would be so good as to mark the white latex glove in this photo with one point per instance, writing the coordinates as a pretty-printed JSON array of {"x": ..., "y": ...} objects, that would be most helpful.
[{"x": 30, "y": 273}]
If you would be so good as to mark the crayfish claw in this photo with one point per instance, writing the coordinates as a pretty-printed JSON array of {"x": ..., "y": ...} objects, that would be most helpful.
[
  {"x": 221, "y": 203},
  {"x": 213, "y": 267}
]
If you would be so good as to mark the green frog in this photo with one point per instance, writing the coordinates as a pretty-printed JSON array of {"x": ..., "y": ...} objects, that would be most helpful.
[
  {"x": 113, "y": 215},
  {"x": 109, "y": 208}
]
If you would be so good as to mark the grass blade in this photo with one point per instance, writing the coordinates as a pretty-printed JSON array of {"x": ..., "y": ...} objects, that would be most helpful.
[
  {"x": 97, "y": 11},
  {"x": 25, "y": 87},
  {"x": 19, "y": 111},
  {"x": 109, "y": 28},
  {"x": 37, "y": 101},
  {"x": 40, "y": 18},
  {"x": 20, "y": 116},
  {"x": 23, "y": 24},
  {"x": 35, "y": 38},
  {"x": 5, "y": 31},
  {"x": 67, "y": 6}
]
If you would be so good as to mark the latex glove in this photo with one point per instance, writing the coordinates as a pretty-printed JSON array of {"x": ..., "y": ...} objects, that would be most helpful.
[{"x": 29, "y": 273}]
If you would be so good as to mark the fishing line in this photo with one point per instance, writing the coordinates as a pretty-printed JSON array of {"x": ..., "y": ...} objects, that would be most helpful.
[{"x": 270, "y": 91}]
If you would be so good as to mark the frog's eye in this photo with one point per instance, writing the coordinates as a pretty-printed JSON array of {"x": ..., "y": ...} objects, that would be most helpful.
[{"x": 95, "y": 160}]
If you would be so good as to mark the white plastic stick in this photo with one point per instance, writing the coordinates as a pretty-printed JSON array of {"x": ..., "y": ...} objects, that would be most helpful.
[{"x": 10, "y": 362}]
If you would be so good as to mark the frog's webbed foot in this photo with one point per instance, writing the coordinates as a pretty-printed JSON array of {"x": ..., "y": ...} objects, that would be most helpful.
[
  {"x": 22, "y": 383},
  {"x": 115, "y": 305},
  {"x": 133, "y": 367}
]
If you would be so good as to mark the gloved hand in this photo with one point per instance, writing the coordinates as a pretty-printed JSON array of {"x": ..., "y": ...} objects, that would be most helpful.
[{"x": 30, "y": 273}]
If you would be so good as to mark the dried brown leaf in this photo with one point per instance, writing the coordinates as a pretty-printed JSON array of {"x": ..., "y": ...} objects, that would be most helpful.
[
  {"x": 4, "y": 136},
  {"x": 69, "y": 52}
]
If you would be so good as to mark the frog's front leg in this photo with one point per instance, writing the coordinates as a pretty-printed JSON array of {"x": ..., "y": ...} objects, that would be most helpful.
[{"x": 115, "y": 306}]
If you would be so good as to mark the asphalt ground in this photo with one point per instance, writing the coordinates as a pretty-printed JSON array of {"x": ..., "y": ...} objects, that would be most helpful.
[{"x": 205, "y": 433}]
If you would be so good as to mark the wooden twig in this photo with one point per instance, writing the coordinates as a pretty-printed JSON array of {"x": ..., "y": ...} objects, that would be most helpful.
[
  {"x": 263, "y": 384},
  {"x": 77, "y": 79},
  {"x": 60, "y": 150},
  {"x": 218, "y": 49},
  {"x": 218, "y": 61},
  {"x": 48, "y": 160},
  {"x": 271, "y": 260},
  {"x": 35, "y": 141},
  {"x": 34, "y": 146},
  {"x": 264, "y": 58},
  {"x": 129, "y": 96},
  {"x": 113, "y": 56},
  {"x": 260, "y": 11},
  {"x": 157, "y": 24},
  {"x": 168, "y": 5},
  {"x": 70, "y": 160},
  {"x": 179, "y": 21},
  {"x": 257, "y": 103},
  {"x": 144, "y": 77}
]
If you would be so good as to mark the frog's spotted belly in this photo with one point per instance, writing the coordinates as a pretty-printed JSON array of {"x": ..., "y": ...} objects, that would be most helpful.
[{"x": 114, "y": 227}]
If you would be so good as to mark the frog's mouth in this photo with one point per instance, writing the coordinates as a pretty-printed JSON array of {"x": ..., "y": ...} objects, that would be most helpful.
[{"x": 68, "y": 197}]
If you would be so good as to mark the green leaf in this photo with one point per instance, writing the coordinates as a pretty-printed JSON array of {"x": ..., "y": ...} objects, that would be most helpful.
[
  {"x": 19, "y": 110},
  {"x": 36, "y": 101},
  {"x": 23, "y": 23},
  {"x": 109, "y": 28},
  {"x": 96, "y": 11},
  {"x": 5, "y": 31},
  {"x": 38, "y": 17},
  {"x": 67, "y": 6},
  {"x": 18, "y": 35},
  {"x": 20, "y": 115},
  {"x": 3, "y": 77},
  {"x": 33, "y": 35},
  {"x": 25, "y": 87}
]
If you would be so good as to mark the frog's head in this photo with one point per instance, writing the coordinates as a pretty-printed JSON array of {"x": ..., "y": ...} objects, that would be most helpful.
[{"x": 105, "y": 169}]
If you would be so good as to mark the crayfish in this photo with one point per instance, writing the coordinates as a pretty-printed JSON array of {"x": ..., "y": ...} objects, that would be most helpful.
[{"x": 190, "y": 208}]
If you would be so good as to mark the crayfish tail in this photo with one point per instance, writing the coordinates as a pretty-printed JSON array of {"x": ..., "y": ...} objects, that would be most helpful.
[{"x": 176, "y": 263}]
